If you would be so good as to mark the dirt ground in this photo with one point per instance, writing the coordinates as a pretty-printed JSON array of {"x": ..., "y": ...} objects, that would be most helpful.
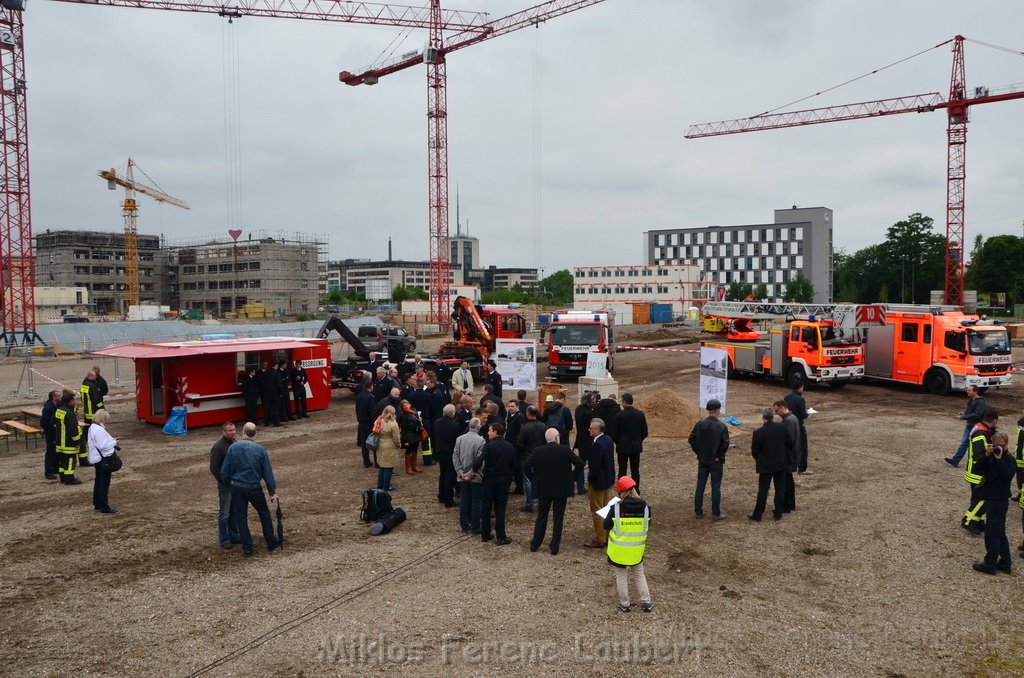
[{"x": 871, "y": 576}]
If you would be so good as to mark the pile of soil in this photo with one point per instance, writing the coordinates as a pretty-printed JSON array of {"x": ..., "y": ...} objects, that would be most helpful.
[
  {"x": 668, "y": 414},
  {"x": 655, "y": 335}
]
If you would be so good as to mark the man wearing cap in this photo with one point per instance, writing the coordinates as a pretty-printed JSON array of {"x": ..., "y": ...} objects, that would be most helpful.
[
  {"x": 602, "y": 479},
  {"x": 552, "y": 468},
  {"x": 709, "y": 440},
  {"x": 628, "y": 522},
  {"x": 494, "y": 378}
]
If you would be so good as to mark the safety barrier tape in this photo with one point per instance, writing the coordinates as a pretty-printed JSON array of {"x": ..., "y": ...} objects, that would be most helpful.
[
  {"x": 109, "y": 396},
  {"x": 652, "y": 348}
]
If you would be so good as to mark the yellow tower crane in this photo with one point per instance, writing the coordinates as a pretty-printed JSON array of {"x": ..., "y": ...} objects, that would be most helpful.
[{"x": 130, "y": 210}]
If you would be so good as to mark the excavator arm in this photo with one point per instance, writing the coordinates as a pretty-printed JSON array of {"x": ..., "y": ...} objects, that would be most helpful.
[{"x": 335, "y": 323}]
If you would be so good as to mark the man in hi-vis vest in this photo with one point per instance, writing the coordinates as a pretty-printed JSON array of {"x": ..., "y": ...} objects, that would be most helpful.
[{"x": 627, "y": 523}]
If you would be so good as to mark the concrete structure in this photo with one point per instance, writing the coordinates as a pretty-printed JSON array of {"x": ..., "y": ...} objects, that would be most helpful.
[
  {"x": 465, "y": 252},
  {"x": 53, "y": 303},
  {"x": 395, "y": 272},
  {"x": 220, "y": 276},
  {"x": 337, "y": 273},
  {"x": 95, "y": 261},
  {"x": 619, "y": 288},
  {"x": 800, "y": 239}
]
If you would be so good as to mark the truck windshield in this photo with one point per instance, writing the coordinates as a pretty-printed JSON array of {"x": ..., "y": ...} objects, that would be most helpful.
[
  {"x": 575, "y": 335},
  {"x": 989, "y": 342}
]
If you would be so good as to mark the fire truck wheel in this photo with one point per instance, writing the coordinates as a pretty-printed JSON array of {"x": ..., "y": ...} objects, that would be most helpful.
[
  {"x": 937, "y": 382},
  {"x": 795, "y": 376}
]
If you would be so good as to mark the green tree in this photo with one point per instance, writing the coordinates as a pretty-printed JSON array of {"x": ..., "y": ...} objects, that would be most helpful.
[
  {"x": 738, "y": 291},
  {"x": 556, "y": 289},
  {"x": 760, "y": 292},
  {"x": 334, "y": 297},
  {"x": 993, "y": 267},
  {"x": 408, "y": 294},
  {"x": 799, "y": 289}
]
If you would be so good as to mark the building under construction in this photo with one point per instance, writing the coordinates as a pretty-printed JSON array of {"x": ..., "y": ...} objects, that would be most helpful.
[
  {"x": 217, "y": 277},
  {"x": 96, "y": 261}
]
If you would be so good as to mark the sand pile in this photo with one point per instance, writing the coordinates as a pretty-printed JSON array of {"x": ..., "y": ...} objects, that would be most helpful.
[{"x": 668, "y": 414}]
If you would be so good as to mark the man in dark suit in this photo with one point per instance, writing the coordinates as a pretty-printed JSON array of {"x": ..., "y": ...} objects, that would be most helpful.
[
  {"x": 630, "y": 432},
  {"x": 602, "y": 479},
  {"x": 364, "y": 418},
  {"x": 490, "y": 396},
  {"x": 770, "y": 448},
  {"x": 552, "y": 468},
  {"x": 444, "y": 432},
  {"x": 268, "y": 395}
]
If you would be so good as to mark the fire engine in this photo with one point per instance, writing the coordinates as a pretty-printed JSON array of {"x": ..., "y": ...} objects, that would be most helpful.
[
  {"x": 815, "y": 343},
  {"x": 573, "y": 334},
  {"x": 938, "y": 347}
]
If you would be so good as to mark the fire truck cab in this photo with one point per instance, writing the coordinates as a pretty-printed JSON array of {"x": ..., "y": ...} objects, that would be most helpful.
[
  {"x": 573, "y": 334},
  {"x": 938, "y": 347}
]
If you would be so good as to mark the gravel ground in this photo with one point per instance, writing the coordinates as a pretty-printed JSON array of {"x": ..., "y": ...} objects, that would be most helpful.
[{"x": 869, "y": 577}]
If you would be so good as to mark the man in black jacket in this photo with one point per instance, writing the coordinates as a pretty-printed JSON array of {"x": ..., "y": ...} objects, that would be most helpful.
[
  {"x": 970, "y": 416},
  {"x": 268, "y": 395},
  {"x": 515, "y": 420},
  {"x": 227, "y": 530},
  {"x": 709, "y": 440},
  {"x": 630, "y": 432},
  {"x": 282, "y": 381},
  {"x": 584, "y": 413},
  {"x": 364, "y": 418},
  {"x": 798, "y": 406},
  {"x": 997, "y": 467},
  {"x": 250, "y": 393},
  {"x": 606, "y": 410},
  {"x": 792, "y": 425},
  {"x": 768, "y": 447},
  {"x": 50, "y": 435},
  {"x": 298, "y": 377},
  {"x": 496, "y": 459},
  {"x": 530, "y": 437},
  {"x": 552, "y": 468},
  {"x": 601, "y": 477},
  {"x": 444, "y": 432},
  {"x": 494, "y": 378},
  {"x": 557, "y": 415},
  {"x": 382, "y": 383},
  {"x": 490, "y": 396}
]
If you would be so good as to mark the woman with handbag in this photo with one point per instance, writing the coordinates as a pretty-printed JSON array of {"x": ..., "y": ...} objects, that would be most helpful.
[
  {"x": 412, "y": 429},
  {"x": 387, "y": 448},
  {"x": 103, "y": 457}
]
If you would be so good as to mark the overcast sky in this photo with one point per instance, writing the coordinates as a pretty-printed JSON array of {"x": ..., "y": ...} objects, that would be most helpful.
[{"x": 619, "y": 84}]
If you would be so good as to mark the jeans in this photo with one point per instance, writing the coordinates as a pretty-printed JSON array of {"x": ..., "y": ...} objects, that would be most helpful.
[
  {"x": 965, "y": 441},
  {"x": 714, "y": 470},
  {"x": 469, "y": 506},
  {"x": 384, "y": 478},
  {"x": 528, "y": 487},
  {"x": 495, "y": 498},
  {"x": 227, "y": 532},
  {"x": 100, "y": 490},
  {"x": 241, "y": 497}
]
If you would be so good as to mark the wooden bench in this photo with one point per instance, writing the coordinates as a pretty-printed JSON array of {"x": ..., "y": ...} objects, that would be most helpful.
[
  {"x": 26, "y": 429},
  {"x": 5, "y": 436}
]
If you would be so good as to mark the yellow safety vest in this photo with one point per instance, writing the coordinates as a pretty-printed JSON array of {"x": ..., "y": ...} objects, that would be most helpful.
[
  {"x": 628, "y": 537},
  {"x": 1020, "y": 449},
  {"x": 67, "y": 442},
  {"x": 969, "y": 474}
]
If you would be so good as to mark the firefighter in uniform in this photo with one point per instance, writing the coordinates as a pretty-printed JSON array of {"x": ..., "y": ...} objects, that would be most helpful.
[
  {"x": 92, "y": 402},
  {"x": 69, "y": 437},
  {"x": 981, "y": 436},
  {"x": 627, "y": 523}
]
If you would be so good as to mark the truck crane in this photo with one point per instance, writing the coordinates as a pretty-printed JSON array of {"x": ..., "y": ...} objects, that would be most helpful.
[{"x": 130, "y": 210}]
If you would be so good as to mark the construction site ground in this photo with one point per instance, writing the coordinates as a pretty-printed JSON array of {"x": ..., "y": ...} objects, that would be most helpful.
[{"x": 871, "y": 576}]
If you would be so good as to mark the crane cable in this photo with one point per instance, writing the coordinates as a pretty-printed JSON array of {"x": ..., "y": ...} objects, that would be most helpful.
[
  {"x": 851, "y": 80},
  {"x": 537, "y": 138}
]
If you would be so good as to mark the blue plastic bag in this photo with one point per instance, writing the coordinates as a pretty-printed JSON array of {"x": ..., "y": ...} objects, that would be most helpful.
[
  {"x": 176, "y": 424},
  {"x": 732, "y": 420}
]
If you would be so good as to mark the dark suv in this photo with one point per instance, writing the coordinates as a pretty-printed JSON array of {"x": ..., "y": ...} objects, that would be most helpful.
[{"x": 387, "y": 338}]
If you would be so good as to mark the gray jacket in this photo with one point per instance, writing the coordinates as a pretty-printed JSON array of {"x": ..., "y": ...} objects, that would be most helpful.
[
  {"x": 792, "y": 441},
  {"x": 468, "y": 447}
]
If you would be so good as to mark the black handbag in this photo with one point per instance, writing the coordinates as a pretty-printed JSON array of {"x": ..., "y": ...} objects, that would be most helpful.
[{"x": 110, "y": 464}]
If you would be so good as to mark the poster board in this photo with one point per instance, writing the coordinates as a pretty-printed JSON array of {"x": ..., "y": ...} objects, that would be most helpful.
[
  {"x": 517, "y": 363},
  {"x": 714, "y": 365}
]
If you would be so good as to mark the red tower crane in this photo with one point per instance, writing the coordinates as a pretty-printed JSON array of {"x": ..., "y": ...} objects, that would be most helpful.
[
  {"x": 956, "y": 105},
  {"x": 435, "y": 57},
  {"x": 466, "y": 28}
]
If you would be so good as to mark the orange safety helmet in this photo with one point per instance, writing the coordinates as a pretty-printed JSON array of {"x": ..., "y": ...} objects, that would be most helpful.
[{"x": 624, "y": 484}]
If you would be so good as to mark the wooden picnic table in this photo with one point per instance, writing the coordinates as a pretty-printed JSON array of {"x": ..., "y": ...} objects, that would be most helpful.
[{"x": 31, "y": 413}]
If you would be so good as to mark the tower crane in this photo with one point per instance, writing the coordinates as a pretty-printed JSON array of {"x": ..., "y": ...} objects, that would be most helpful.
[
  {"x": 130, "y": 210},
  {"x": 956, "y": 104},
  {"x": 16, "y": 245}
]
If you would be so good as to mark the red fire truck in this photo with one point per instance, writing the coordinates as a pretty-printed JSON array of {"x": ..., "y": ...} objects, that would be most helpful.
[{"x": 573, "y": 334}]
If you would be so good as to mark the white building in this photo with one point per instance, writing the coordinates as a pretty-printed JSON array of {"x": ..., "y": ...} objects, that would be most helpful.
[
  {"x": 629, "y": 289},
  {"x": 800, "y": 239}
]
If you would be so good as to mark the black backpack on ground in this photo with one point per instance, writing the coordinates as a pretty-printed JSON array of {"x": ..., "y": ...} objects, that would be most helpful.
[{"x": 375, "y": 504}]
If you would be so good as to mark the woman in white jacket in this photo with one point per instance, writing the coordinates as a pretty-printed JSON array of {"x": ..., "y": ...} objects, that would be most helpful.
[{"x": 101, "y": 446}]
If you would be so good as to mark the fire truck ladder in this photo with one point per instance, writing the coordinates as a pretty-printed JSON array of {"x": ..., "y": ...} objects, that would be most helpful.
[{"x": 756, "y": 310}]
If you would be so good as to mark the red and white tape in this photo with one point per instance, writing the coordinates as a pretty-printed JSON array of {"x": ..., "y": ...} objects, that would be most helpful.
[{"x": 653, "y": 348}]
